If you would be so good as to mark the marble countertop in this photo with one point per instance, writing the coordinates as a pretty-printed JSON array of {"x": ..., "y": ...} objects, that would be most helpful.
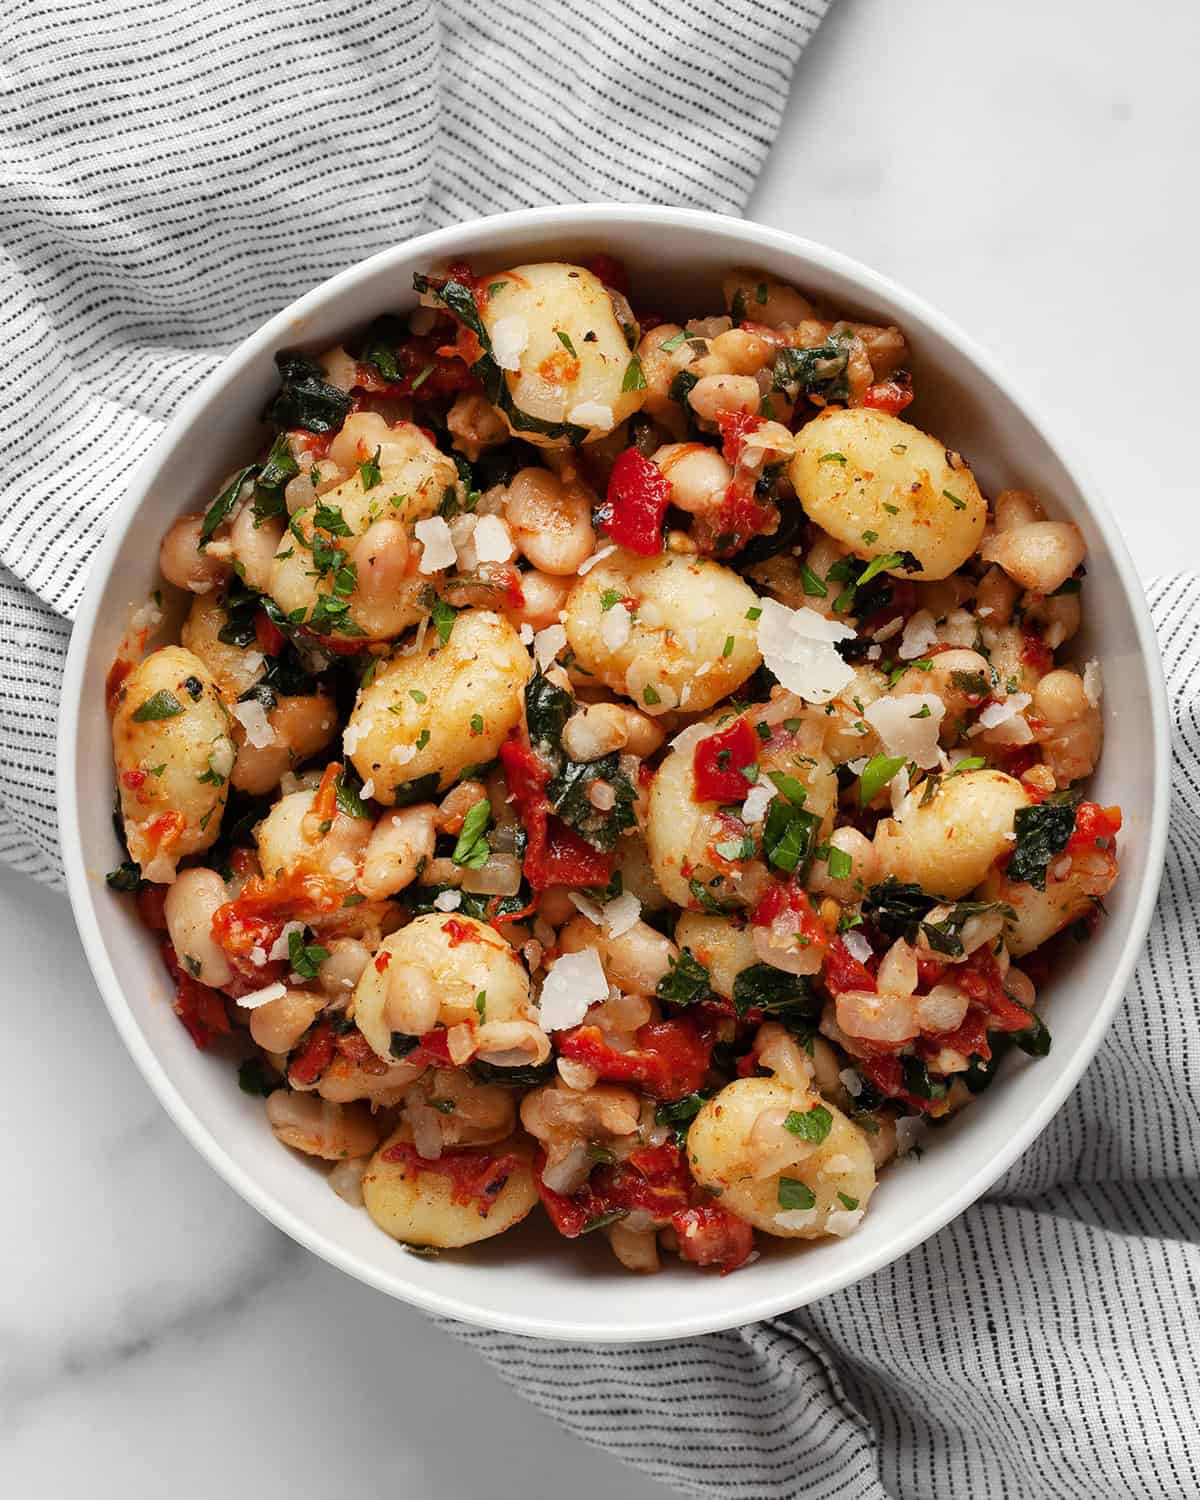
[{"x": 1030, "y": 169}]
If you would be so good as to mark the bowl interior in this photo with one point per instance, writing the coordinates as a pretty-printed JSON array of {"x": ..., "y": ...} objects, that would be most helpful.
[{"x": 529, "y": 1281}]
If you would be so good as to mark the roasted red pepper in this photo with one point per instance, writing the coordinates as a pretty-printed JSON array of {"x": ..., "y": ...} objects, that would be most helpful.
[
  {"x": 890, "y": 396},
  {"x": 201, "y": 1009},
  {"x": 554, "y": 853},
  {"x": 717, "y": 763},
  {"x": 1095, "y": 827},
  {"x": 786, "y": 909},
  {"x": 313, "y": 1055},
  {"x": 610, "y": 271},
  {"x": 979, "y": 977},
  {"x": 1035, "y": 653},
  {"x": 710, "y": 1235},
  {"x": 969, "y": 1038},
  {"x": 844, "y": 972},
  {"x": 637, "y": 500},
  {"x": 669, "y": 1060},
  {"x": 886, "y": 1076},
  {"x": 736, "y": 427},
  {"x": 475, "y": 1175}
]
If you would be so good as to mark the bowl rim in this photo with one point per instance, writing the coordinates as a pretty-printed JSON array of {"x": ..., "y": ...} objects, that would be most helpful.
[{"x": 278, "y": 331}]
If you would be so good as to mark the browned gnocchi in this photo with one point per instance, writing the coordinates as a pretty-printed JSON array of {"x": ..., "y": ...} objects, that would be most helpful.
[{"x": 612, "y": 768}]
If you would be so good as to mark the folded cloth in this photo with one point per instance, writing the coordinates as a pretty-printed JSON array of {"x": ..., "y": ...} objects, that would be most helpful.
[
  {"x": 173, "y": 174},
  {"x": 1042, "y": 1345},
  {"x": 176, "y": 171}
]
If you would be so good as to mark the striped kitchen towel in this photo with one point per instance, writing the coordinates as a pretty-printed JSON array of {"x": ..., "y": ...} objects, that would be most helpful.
[
  {"x": 176, "y": 171},
  {"x": 1041, "y": 1347}
]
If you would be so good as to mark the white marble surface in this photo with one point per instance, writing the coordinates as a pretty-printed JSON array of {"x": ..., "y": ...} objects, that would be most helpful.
[{"x": 1029, "y": 167}]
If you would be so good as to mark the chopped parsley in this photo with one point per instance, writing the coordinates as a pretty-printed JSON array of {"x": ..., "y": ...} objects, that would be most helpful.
[
  {"x": 876, "y": 774},
  {"x": 161, "y": 705},
  {"x": 809, "y": 1124},
  {"x": 686, "y": 981},
  {"x": 795, "y": 1194},
  {"x": 635, "y": 378},
  {"x": 472, "y": 848},
  {"x": 305, "y": 958}
]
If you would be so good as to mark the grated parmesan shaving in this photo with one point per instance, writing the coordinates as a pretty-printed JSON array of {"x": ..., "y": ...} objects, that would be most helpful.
[
  {"x": 280, "y": 949},
  {"x": 400, "y": 755},
  {"x": 614, "y": 627},
  {"x": 264, "y": 996},
  {"x": 687, "y": 739},
  {"x": 586, "y": 907},
  {"x": 437, "y": 545},
  {"x": 572, "y": 983},
  {"x": 843, "y": 1221},
  {"x": 857, "y": 946},
  {"x": 758, "y": 799},
  {"x": 919, "y": 634},
  {"x": 448, "y": 900},
  {"x": 252, "y": 716},
  {"x": 592, "y": 414},
  {"x": 905, "y": 728},
  {"x": 886, "y": 632},
  {"x": 851, "y": 1082},
  {"x": 548, "y": 643},
  {"x": 526, "y": 633},
  {"x": 622, "y": 913},
  {"x": 493, "y": 540},
  {"x": 589, "y": 563},
  {"x": 1093, "y": 685},
  {"x": 367, "y": 790},
  {"x": 798, "y": 646},
  {"x": 797, "y": 1218}
]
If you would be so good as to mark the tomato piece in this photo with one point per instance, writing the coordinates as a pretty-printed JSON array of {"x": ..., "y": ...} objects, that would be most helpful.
[
  {"x": 718, "y": 760},
  {"x": 313, "y": 1055},
  {"x": 786, "y": 909},
  {"x": 653, "y": 1179},
  {"x": 710, "y": 1235},
  {"x": 554, "y": 853},
  {"x": 969, "y": 1038},
  {"x": 201, "y": 1009},
  {"x": 979, "y": 977},
  {"x": 891, "y": 395},
  {"x": 433, "y": 1050},
  {"x": 1095, "y": 827},
  {"x": 637, "y": 500},
  {"x": 1035, "y": 653},
  {"x": 735, "y": 427},
  {"x": 152, "y": 907},
  {"x": 475, "y": 1175},
  {"x": 845, "y": 972},
  {"x": 669, "y": 1060}
]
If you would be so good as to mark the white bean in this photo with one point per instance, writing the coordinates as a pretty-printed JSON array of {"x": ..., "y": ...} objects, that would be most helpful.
[{"x": 191, "y": 903}]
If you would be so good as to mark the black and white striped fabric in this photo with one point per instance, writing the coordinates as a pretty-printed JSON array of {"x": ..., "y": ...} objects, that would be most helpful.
[
  {"x": 1041, "y": 1347},
  {"x": 177, "y": 170}
]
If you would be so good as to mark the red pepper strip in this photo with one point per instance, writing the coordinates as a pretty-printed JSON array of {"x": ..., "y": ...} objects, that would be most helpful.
[
  {"x": 313, "y": 1055},
  {"x": 433, "y": 1050},
  {"x": 669, "y": 1061},
  {"x": 554, "y": 853},
  {"x": 891, "y": 396},
  {"x": 717, "y": 763},
  {"x": 353, "y": 1046},
  {"x": 459, "y": 932},
  {"x": 568, "y": 1215},
  {"x": 267, "y": 635},
  {"x": 653, "y": 1179},
  {"x": 1093, "y": 823},
  {"x": 786, "y": 909},
  {"x": 475, "y": 1176},
  {"x": 844, "y": 972},
  {"x": 152, "y": 907},
  {"x": 202, "y": 1010},
  {"x": 611, "y": 271},
  {"x": 970, "y": 1038},
  {"x": 637, "y": 500},
  {"x": 710, "y": 1235},
  {"x": 736, "y": 427},
  {"x": 979, "y": 977}
]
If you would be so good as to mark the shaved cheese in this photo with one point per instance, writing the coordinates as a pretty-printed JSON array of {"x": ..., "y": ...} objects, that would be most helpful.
[
  {"x": 367, "y": 790},
  {"x": 622, "y": 913},
  {"x": 510, "y": 338},
  {"x": 843, "y": 1221},
  {"x": 448, "y": 900},
  {"x": 526, "y": 633},
  {"x": 493, "y": 540},
  {"x": 898, "y": 788},
  {"x": 437, "y": 545},
  {"x": 858, "y": 766},
  {"x": 754, "y": 809},
  {"x": 400, "y": 755},
  {"x": 614, "y": 627},
  {"x": 905, "y": 728},
  {"x": 592, "y": 414},
  {"x": 1093, "y": 685},
  {"x": 886, "y": 632},
  {"x": 1000, "y": 713},
  {"x": 589, "y": 563},
  {"x": 586, "y": 907},
  {"x": 252, "y": 716},
  {"x": 258, "y": 956},
  {"x": 797, "y": 1218},
  {"x": 687, "y": 739},
  {"x": 919, "y": 634},
  {"x": 798, "y": 646},
  {"x": 264, "y": 996},
  {"x": 351, "y": 736},
  {"x": 874, "y": 653},
  {"x": 851, "y": 1082},
  {"x": 280, "y": 948},
  {"x": 857, "y": 946},
  {"x": 573, "y": 982},
  {"x": 548, "y": 643}
]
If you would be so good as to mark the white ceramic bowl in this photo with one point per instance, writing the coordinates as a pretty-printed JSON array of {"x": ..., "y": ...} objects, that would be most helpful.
[{"x": 529, "y": 1281}]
